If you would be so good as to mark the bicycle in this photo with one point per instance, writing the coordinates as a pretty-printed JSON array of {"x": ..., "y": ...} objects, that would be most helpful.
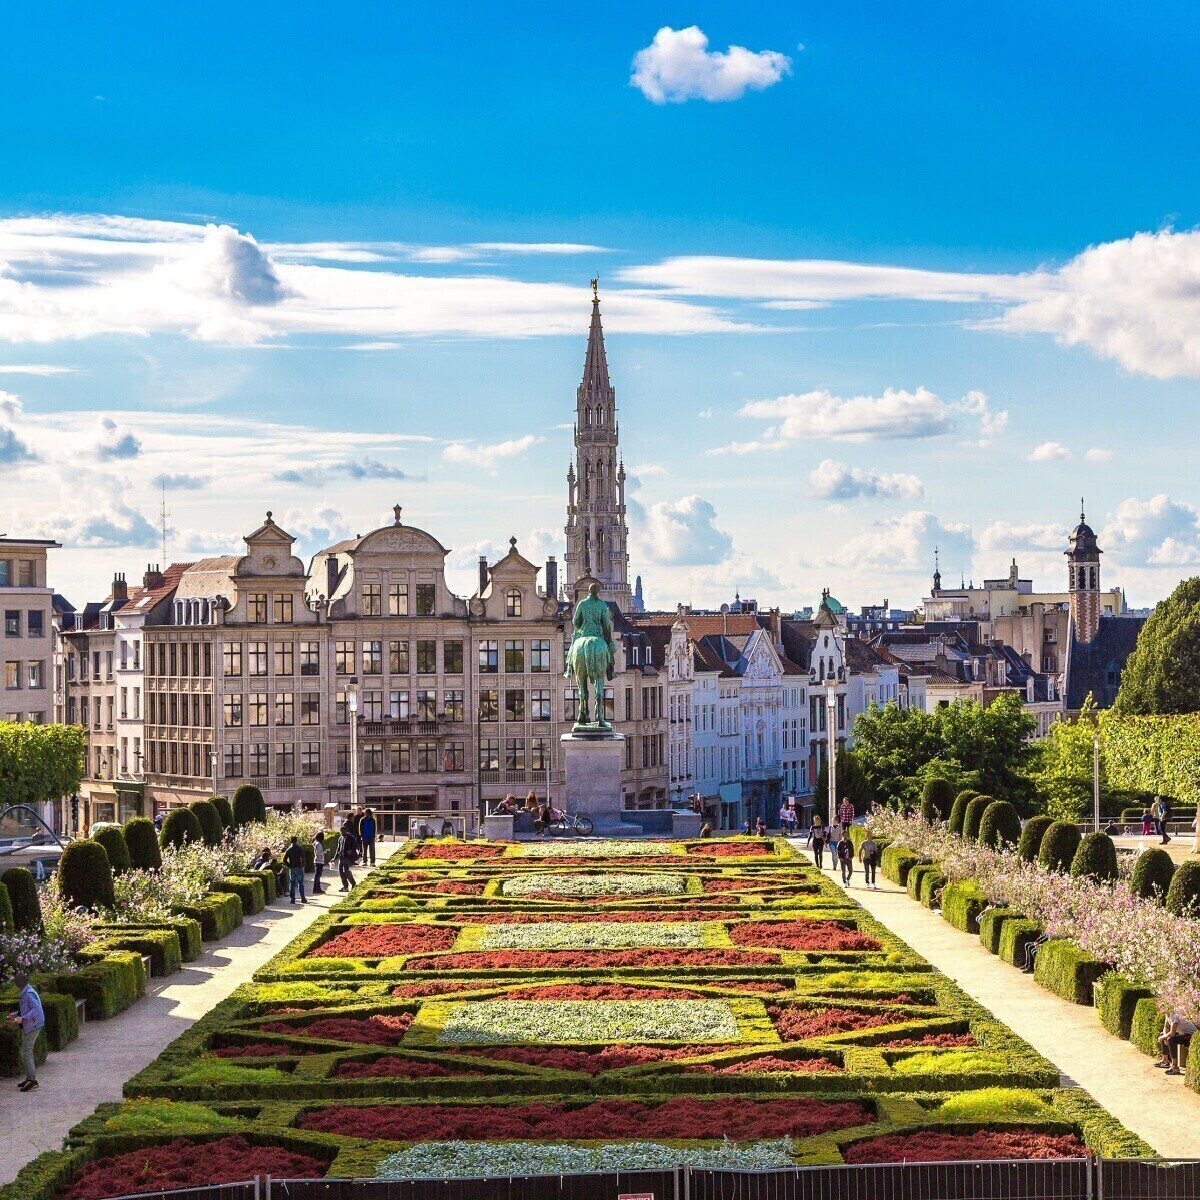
[{"x": 572, "y": 823}]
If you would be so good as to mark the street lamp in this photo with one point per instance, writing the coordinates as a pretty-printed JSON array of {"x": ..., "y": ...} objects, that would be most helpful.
[
  {"x": 1096, "y": 779},
  {"x": 352, "y": 702},
  {"x": 212, "y": 767},
  {"x": 831, "y": 757}
]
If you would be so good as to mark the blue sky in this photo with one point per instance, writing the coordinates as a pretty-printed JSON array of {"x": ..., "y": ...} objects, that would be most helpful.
[{"x": 885, "y": 277}]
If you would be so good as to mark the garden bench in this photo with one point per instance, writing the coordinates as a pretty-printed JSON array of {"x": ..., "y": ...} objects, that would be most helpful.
[{"x": 81, "y": 1010}]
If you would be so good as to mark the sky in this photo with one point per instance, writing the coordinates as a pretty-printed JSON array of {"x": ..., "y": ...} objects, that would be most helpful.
[{"x": 875, "y": 279}]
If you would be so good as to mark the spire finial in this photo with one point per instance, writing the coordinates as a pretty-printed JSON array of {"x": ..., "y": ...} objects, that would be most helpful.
[
  {"x": 397, "y": 510},
  {"x": 1082, "y": 518},
  {"x": 595, "y": 289},
  {"x": 512, "y": 541}
]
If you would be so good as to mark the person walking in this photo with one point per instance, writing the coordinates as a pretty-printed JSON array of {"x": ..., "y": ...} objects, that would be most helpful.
[
  {"x": 814, "y": 830},
  {"x": 845, "y": 815},
  {"x": 318, "y": 863},
  {"x": 31, "y": 1018},
  {"x": 345, "y": 854},
  {"x": 293, "y": 858},
  {"x": 818, "y": 846},
  {"x": 845, "y": 857},
  {"x": 868, "y": 853},
  {"x": 1164, "y": 815},
  {"x": 366, "y": 835}
]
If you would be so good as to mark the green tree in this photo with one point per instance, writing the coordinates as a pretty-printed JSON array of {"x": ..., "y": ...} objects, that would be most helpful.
[
  {"x": 249, "y": 806},
  {"x": 1163, "y": 673},
  {"x": 852, "y": 783},
  {"x": 180, "y": 827},
  {"x": 84, "y": 875},
  {"x": 112, "y": 838},
  {"x": 39, "y": 763},
  {"x": 141, "y": 839},
  {"x": 937, "y": 798},
  {"x": 1000, "y": 825}
]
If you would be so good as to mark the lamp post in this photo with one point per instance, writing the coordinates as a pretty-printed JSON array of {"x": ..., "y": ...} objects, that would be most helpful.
[
  {"x": 352, "y": 702},
  {"x": 831, "y": 757},
  {"x": 1096, "y": 779},
  {"x": 212, "y": 766}
]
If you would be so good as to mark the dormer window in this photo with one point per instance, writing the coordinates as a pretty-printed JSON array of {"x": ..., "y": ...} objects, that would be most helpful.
[{"x": 512, "y": 602}]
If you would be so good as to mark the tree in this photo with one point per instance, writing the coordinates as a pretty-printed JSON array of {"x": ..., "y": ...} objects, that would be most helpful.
[
  {"x": 141, "y": 839},
  {"x": 1096, "y": 859},
  {"x": 1000, "y": 825},
  {"x": 249, "y": 807},
  {"x": 180, "y": 827},
  {"x": 224, "y": 810},
  {"x": 39, "y": 763},
  {"x": 112, "y": 838},
  {"x": 1152, "y": 874},
  {"x": 974, "y": 816},
  {"x": 211, "y": 828},
  {"x": 958, "y": 812},
  {"x": 1183, "y": 895},
  {"x": 937, "y": 798},
  {"x": 852, "y": 783},
  {"x": 84, "y": 875},
  {"x": 1162, "y": 674},
  {"x": 1031, "y": 837},
  {"x": 1059, "y": 843},
  {"x": 23, "y": 893}
]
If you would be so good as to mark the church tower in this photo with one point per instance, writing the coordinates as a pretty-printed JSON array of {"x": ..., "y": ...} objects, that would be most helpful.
[
  {"x": 597, "y": 535},
  {"x": 1083, "y": 580}
]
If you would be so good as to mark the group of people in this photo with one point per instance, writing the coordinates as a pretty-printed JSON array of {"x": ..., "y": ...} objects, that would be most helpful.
[
  {"x": 836, "y": 840},
  {"x": 1155, "y": 818},
  {"x": 543, "y": 812}
]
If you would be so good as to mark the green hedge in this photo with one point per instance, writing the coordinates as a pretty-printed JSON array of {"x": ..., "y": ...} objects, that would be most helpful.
[
  {"x": 10, "y": 1051},
  {"x": 1146, "y": 1025},
  {"x": 211, "y": 828},
  {"x": 1015, "y": 935},
  {"x": 62, "y": 1017},
  {"x": 1000, "y": 825},
  {"x": 112, "y": 838},
  {"x": 1096, "y": 859},
  {"x": 991, "y": 926},
  {"x": 6, "y": 912},
  {"x": 1183, "y": 896},
  {"x": 937, "y": 799},
  {"x": 219, "y": 914},
  {"x": 1031, "y": 837},
  {"x": 962, "y": 902},
  {"x": 248, "y": 889},
  {"x": 896, "y": 862},
  {"x": 1116, "y": 999},
  {"x": 270, "y": 891},
  {"x": 916, "y": 873},
  {"x": 931, "y": 883},
  {"x": 141, "y": 839},
  {"x": 224, "y": 810},
  {"x": 186, "y": 931},
  {"x": 1067, "y": 970},
  {"x": 1058, "y": 847},
  {"x": 973, "y": 817},
  {"x": 22, "y": 892},
  {"x": 179, "y": 827},
  {"x": 1152, "y": 874},
  {"x": 108, "y": 986},
  {"x": 249, "y": 807},
  {"x": 85, "y": 876},
  {"x": 958, "y": 812},
  {"x": 162, "y": 946}
]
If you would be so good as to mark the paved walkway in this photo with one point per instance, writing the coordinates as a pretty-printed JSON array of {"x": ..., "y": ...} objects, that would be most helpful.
[
  {"x": 94, "y": 1068},
  {"x": 1156, "y": 1107}
]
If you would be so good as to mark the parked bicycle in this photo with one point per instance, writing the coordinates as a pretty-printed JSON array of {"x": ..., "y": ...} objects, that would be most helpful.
[{"x": 575, "y": 824}]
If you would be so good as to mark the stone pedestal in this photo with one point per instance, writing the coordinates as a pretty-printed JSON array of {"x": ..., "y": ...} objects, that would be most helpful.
[
  {"x": 593, "y": 769},
  {"x": 686, "y": 824},
  {"x": 499, "y": 829}
]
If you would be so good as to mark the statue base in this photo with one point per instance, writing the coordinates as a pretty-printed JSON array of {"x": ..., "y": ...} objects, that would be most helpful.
[{"x": 593, "y": 759}]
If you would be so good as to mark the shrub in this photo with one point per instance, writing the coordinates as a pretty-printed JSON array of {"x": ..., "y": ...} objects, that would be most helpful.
[
  {"x": 270, "y": 892},
  {"x": 211, "y": 829},
  {"x": 112, "y": 838},
  {"x": 896, "y": 862},
  {"x": 937, "y": 799},
  {"x": 991, "y": 926},
  {"x": 1000, "y": 825},
  {"x": 247, "y": 888},
  {"x": 962, "y": 902},
  {"x": 996, "y": 1104},
  {"x": 915, "y": 875},
  {"x": 1116, "y": 999},
  {"x": 932, "y": 882},
  {"x": 1031, "y": 836},
  {"x": 219, "y": 914},
  {"x": 23, "y": 895},
  {"x": 62, "y": 1017},
  {"x": 179, "y": 828},
  {"x": 1146, "y": 1025},
  {"x": 85, "y": 876},
  {"x": 1096, "y": 859},
  {"x": 224, "y": 810},
  {"x": 248, "y": 806},
  {"x": 186, "y": 931},
  {"x": 1015, "y": 935},
  {"x": 1058, "y": 847},
  {"x": 160, "y": 945},
  {"x": 10, "y": 1043},
  {"x": 1183, "y": 896},
  {"x": 6, "y": 912},
  {"x": 958, "y": 812},
  {"x": 107, "y": 986},
  {"x": 1152, "y": 874},
  {"x": 141, "y": 839},
  {"x": 973, "y": 817},
  {"x": 1067, "y": 971}
]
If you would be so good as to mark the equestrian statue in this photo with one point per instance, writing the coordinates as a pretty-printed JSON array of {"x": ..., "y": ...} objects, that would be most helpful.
[{"x": 591, "y": 658}]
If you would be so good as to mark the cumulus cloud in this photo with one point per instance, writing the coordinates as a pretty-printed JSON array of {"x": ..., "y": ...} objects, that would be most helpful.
[
  {"x": 1155, "y": 532},
  {"x": 679, "y": 533},
  {"x": 1006, "y": 538},
  {"x": 314, "y": 529},
  {"x": 179, "y": 482},
  {"x": 356, "y": 469},
  {"x": 12, "y": 449},
  {"x": 1050, "y": 452},
  {"x": 115, "y": 442},
  {"x": 906, "y": 544},
  {"x": 1096, "y": 455},
  {"x": 479, "y": 454},
  {"x": 832, "y": 480},
  {"x": 679, "y": 66}
]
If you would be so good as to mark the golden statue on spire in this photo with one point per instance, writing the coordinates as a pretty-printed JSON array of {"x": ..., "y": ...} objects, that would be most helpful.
[{"x": 595, "y": 287}]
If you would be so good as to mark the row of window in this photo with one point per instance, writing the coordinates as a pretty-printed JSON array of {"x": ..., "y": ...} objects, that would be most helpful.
[
  {"x": 179, "y": 658},
  {"x": 35, "y": 622},
  {"x": 18, "y": 572},
  {"x": 653, "y": 747},
  {"x": 169, "y": 709},
  {"x": 34, "y": 718},
  {"x": 19, "y": 675},
  {"x": 371, "y": 597}
]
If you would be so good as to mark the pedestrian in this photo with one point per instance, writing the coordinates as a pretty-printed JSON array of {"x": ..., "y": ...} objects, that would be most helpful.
[
  {"x": 783, "y": 818},
  {"x": 366, "y": 835},
  {"x": 706, "y": 830},
  {"x": 1164, "y": 815},
  {"x": 531, "y": 802},
  {"x": 746, "y": 827},
  {"x": 31, "y": 1018},
  {"x": 845, "y": 814},
  {"x": 818, "y": 845},
  {"x": 1176, "y": 1034},
  {"x": 293, "y": 858},
  {"x": 845, "y": 857},
  {"x": 1147, "y": 823},
  {"x": 318, "y": 863},
  {"x": 815, "y": 828},
  {"x": 868, "y": 852},
  {"x": 345, "y": 854},
  {"x": 760, "y": 828}
]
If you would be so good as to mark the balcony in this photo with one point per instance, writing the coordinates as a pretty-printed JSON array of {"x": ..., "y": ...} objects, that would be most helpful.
[
  {"x": 402, "y": 727},
  {"x": 521, "y": 778}
]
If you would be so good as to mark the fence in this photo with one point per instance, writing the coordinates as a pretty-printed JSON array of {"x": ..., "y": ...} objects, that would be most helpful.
[{"x": 1034, "y": 1179}]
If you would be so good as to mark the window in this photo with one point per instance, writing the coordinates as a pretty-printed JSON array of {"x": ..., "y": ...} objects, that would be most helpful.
[
  {"x": 452, "y": 658},
  {"x": 256, "y": 708},
  {"x": 372, "y": 600},
  {"x": 373, "y": 758},
  {"x": 233, "y": 712},
  {"x": 96, "y": 662},
  {"x": 342, "y": 760},
  {"x": 539, "y": 704},
  {"x": 489, "y": 754},
  {"x": 256, "y": 658},
  {"x": 256, "y": 608},
  {"x": 539, "y": 656},
  {"x": 285, "y": 708},
  {"x": 284, "y": 658},
  {"x": 124, "y": 703},
  {"x": 341, "y": 709},
  {"x": 285, "y": 759},
  {"x": 512, "y": 603},
  {"x": 426, "y": 599},
  {"x": 310, "y": 710},
  {"x": 426, "y": 657},
  {"x": 207, "y": 659},
  {"x": 454, "y": 758},
  {"x": 426, "y": 704},
  {"x": 453, "y": 705},
  {"x": 398, "y": 600},
  {"x": 343, "y": 654},
  {"x": 310, "y": 759},
  {"x": 610, "y": 705},
  {"x": 571, "y": 704},
  {"x": 398, "y": 658},
  {"x": 372, "y": 705},
  {"x": 259, "y": 760},
  {"x": 489, "y": 704},
  {"x": 398, "y": 706},
  {"x": 514, "y": 754},
  {"x": 401, "y": 763},
  {"x": 25, "y": 572},
  {"x": 514, "y": 656},
  {"x": 233, "y": 761},
  {"x": 37, "y": 677},
  {"x": 310, "y": 658},
  {"x": 5, "y": 573},
  {"x": 12, "y": 622},
  {"x": 427, "y": 756},
  {"x": 489, "y": 657},
  {"x": 514, "y": 704},
  {"x": 283, "y": 608},
  {"x": 539, "y": 754},
  {"x": 372, "y": 658}
]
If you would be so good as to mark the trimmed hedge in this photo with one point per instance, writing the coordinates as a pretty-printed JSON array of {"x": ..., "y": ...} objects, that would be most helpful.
[
  {"x": 973, "y": 817},
  {"x": 180, "y": 827},
  {"x": 1032, "y": 835},
  {"x": 1015, "y": 936},
  {"x": 932, "y": 882},
  {"x": 915, "y": 875},
  {"x": 1153, "y": 871},
  {"x": 141, "y": 839},
  {"x": 211, "y": 828},
  {"x": 186, "y": 931},
  {"x": 162, "y": 946},
  {"x": 84, "y": 875},
  {"x": 224, "y": 810},
  {"x": 62, "y": 1018},
  {"x": 1058, "y": 847},
  {"x": 1116, "y": 1000},
  {"x": 6, "y": 912},
  {"x": 219, "y": 914},
  {"x": 249, "y": 806},
  {"x": 958, "y": 812},
  {"x": 10, "y": 1049},
  {"x": 962, "y": 902},
  {"x": 991, "y": 926},
  {"x": 1000, "y": 825},
  {"x": 937, "y": 799},
  {"x": 1183, "y": 896},
  {"x": 108, "y": 985},
  {"x": 22, "y": 892},
  {"x": 112, "y": 838},
  {"x": 1067, "y": 970},
  {"x": 247, "y": 888},
  {"x": 1096, "y": 859},
  {"x": 270, "y": 891},
  {"x": 1146, "y": 1025},
  {"x": 896, "y": 861}
]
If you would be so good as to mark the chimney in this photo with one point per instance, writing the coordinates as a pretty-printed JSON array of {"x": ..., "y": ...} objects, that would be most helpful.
[
  {"x": 331, "y": 576},
  {"x": 120, "y": 590},
  {"x": 153, "y": 577},
  {"x": 552, "y": 578},
  {"x": 483, "y": 574}
]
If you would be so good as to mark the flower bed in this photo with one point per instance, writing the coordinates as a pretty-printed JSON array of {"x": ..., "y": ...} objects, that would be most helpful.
[
  {"x": 988, "y": 1144},
  {"x": 756, "y": 849},
  {"x": 384, "y": 941},
  {"x": 543, "y": 885},
  {"x": 801, "y": 935},
  {"x": 599, "y": 991},
  {"x": 379, "y": 1030},
  {"x": 456, "y": 851},
  {"x": 450, "y": 887},
  {"x": 592, "y": 1062},
  {"x": 795, "y": 1023},
  {"x": 602, "y": 917},
  {"x": 942, "y": 1041},
  {"x": 770, "y": 1064},
  {"x": 394, "y": 1067},
  {"x": 579, "y": 935},
  {"x": 573, "y": 960},
  {"x": 601, "y": 848}
]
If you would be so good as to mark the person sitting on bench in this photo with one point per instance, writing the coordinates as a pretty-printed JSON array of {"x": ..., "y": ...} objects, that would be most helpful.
[{"x": 1176, "y": 1033}]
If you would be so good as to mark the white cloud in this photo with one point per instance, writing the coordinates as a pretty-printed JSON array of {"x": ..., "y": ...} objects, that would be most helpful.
[
  {"x": 678, "y": 533},
  {"x": 1050, "y": 452},
  {"x": 116, "y": 443},
  {"x": 477, "y": 454},
  {"x": 832, "y": 480},
  {"x": 1002, "y": 538},
  {"x": 44, "y": 369},
  {"x": 679, "y": 66},
  {"x": 12, "y": 449},
  {"x": 314, "y": 529},
  {"x": 357, "y": 469},
  {"x": 180, "y": 482},
  {"x": 1155, "y": 532},
  {"x": 906, "y": 544},
  {"x": 648, "y": 470},
  {"x": 1097, "y": 455}
]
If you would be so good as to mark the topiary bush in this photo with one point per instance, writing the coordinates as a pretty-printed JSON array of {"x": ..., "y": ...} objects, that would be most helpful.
[
  {"x": 1183, "y": 896},
  {"x": 22, "y": 892},
  {"x": 1015, "y": 936},
  {"x": 962, "y": 902},
  {"x": 991, "y": 926},
  {"x": 1000, "y": 825},
  {"x": 112, "y": 838},
  {"x": 85, "y": 878},
  {"x": 933, "y": 884},
  {"x": 1067, "y": 970},
  {"x": 6, "y": 912},
  {"x": 1031, "y": 836},
  {"x": 896, "y": 861},
  {"x": 180, "y": 827},
  {"x": 1058, "y": 847},
  {"x": 1116, "y": 999},
  {"x": 958, "y": 811},
  {"x": 1152, "y": 874},
  {"x": 211, "y": 828},
  {"x": 1096, "y": 859},
  {"x": 1146, "y": 1025},
  {"x": 916, "y": 873},
  {"x": 141, "y": 840},
  {"x": 224, "y": 810},
  {"x": 249, "y": 806},
  {"x": 937, "y": 799},
  {"x": 973, "y": 817}
]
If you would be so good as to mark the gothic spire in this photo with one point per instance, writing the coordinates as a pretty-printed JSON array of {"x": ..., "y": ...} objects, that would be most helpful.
[{"x": 595, "y": 380}]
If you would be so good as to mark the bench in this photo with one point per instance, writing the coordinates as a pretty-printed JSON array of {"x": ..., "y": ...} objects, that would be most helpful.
[
  {"x": 147, "y": 962},
  {"x": 81, "y": 1010}
]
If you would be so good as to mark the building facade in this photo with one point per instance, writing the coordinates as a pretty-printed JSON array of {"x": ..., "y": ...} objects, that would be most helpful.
[{"x": 27, "y": 601}]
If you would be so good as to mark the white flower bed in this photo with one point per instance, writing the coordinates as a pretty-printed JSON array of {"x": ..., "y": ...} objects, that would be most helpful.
[
  {"x": 599, "y": 848},
  {"x": 613, "y": 883},
  {"x": 617, "y": 935},
  {"x": 519, "y": 1022}
]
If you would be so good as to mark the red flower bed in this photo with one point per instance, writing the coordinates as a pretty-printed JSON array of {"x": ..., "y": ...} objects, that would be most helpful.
[
  {"x": 941, "y": 1040},
  {"x": 451, "y": 887},
  {"x": 185, "y": 1164},
  {"x": 599, "y": 991},
  {"x": 794, "y": 1024},
  {"x": 382, "y": 941},
  {"x": 451, "y": 852},
  {"x": 640, "y": 916},
  {"x": 606, "y": 898},
  {"x": 736, "y": 885},
  {"x": 430, "y": 987},
  {"x": 733, "y": 849},
  {"x": 591, "y": 1062},
  {"x": 262, "y": 1050},
  {"x": 934, "y": 1146},
  {"x": 383, "y": 1029},
  {"x": 499, "y": 960},
  {"x": 398, "y": 1068},
  {"x": 767, "y": 1062},
  {"x": 682, "y": 1117},
  {"x": 800, "y": 935}
]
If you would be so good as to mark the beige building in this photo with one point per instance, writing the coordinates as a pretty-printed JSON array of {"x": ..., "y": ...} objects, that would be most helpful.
[{"x": 28, "y": 605}]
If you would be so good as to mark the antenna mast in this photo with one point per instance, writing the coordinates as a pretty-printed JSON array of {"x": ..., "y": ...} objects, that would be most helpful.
[{"x": 163, "y": 515}]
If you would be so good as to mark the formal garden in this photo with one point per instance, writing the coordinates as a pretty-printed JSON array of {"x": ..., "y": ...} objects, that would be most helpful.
[{"x": 486, "y": 1008}]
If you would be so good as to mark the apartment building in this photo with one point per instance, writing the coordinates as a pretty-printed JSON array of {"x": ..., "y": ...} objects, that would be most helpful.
[{"x": 27, "y": 602}]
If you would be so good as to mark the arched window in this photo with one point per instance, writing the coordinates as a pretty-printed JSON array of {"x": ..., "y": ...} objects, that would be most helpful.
[
  {"x": 1071, "y": 578},
  {"x": 587, "y": 416},
  {"x": 599, "y": 416},
  {"x": 512, "y": 603}
]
